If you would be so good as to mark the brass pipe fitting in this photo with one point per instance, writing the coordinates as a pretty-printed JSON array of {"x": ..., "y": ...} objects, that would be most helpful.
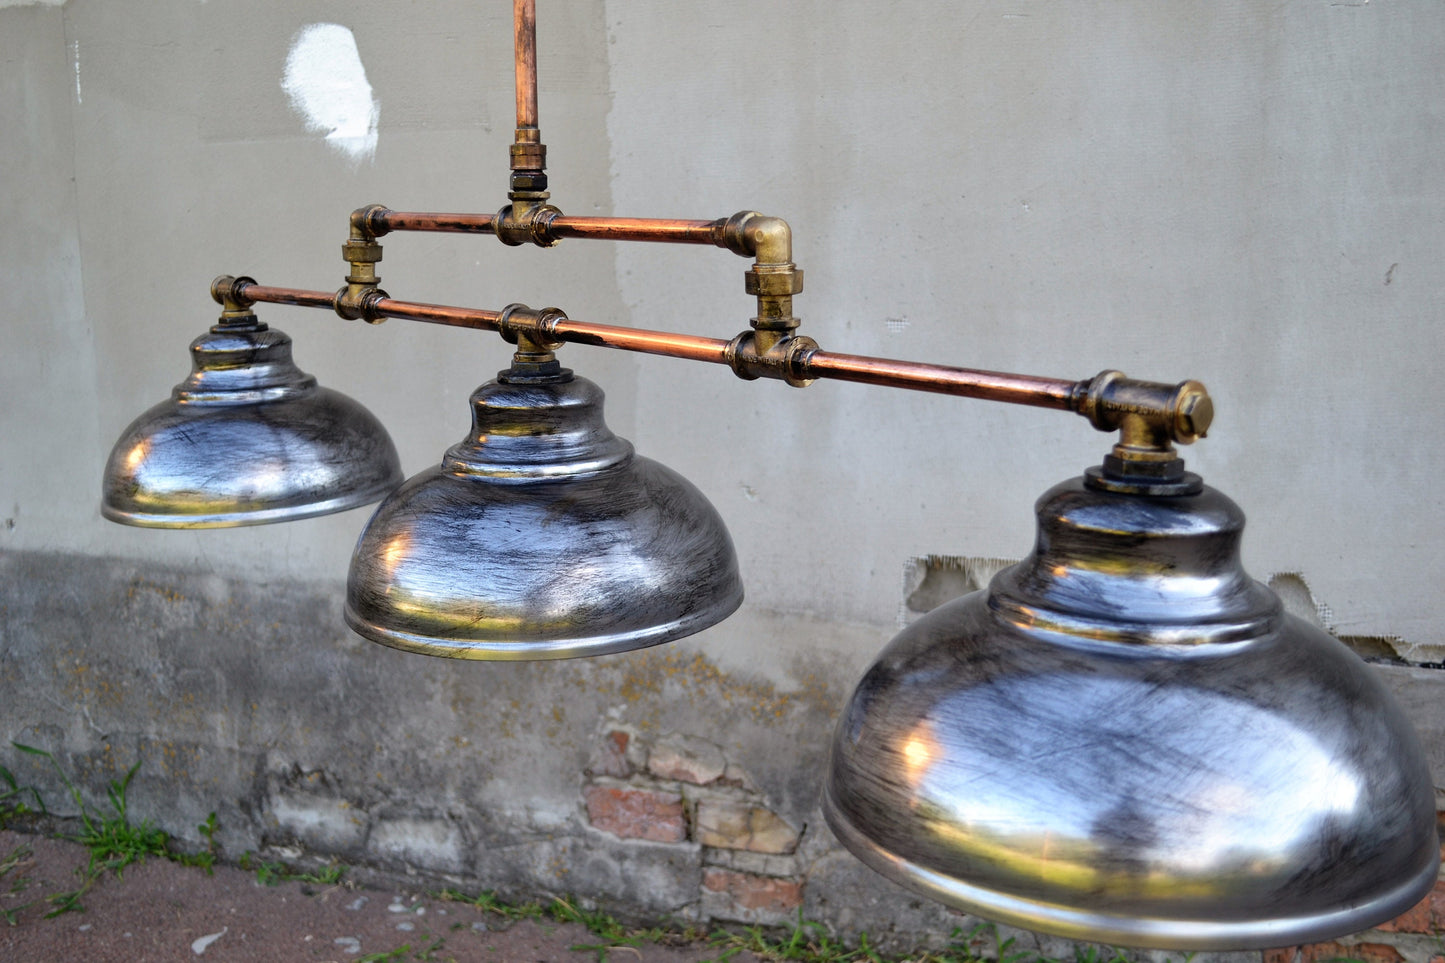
[
  {"x": 235, "y": 307},
  {"x": 369, "y": 223},
  {"x": 774, "y": 278},
  {"x": 362, "y": 251},
  {"x": 516, "y": 226},
  {"x": 751, "y": 356},
  {"x": 1149, "y": 417}
]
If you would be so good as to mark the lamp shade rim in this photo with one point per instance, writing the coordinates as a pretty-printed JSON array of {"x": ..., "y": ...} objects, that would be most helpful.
[
  {"x": 532, "y": 650},
  {"x": 1128, "y": 929},
  {"x": 239, "y": 519}
]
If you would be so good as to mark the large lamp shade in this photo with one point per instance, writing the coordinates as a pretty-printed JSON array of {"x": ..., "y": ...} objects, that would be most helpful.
[
  {"x": 1125, "y": 739},
  {"x": 248, "y": 438}
]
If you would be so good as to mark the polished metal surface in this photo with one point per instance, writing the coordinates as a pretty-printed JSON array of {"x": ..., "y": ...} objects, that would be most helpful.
[
  {"x": 1125, "y": 739},
  {"x": 541, "y": 536},
  {"x": 248, "y": 438}
]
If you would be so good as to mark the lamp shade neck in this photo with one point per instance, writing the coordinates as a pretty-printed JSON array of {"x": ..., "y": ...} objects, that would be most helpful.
[
  {"x": 240, "y": 364},
  {"x": 1135, "y": 569},
  {"x": 535, "y": 430}
]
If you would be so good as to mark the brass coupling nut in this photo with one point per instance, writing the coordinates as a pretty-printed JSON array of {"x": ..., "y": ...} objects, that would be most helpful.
[
  {"x": 362, "y": 255},
  {"x": 530, "y": 156},
  {"x": 359, "y": 302},
  {"x": 530, "y": 227},
  {"x": 531, "y": 330},
  {"x": 785, "y": 359},
  {"x": 774, "y": 280}
]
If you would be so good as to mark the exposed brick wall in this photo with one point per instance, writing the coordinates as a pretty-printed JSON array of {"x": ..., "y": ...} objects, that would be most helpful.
[{"x": 680, "y": 789}]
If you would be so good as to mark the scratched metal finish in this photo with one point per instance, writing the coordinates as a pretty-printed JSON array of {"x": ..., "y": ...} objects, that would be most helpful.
[
  {"x": 248, "y": 438},
  {"x": 541, "y": 536},
  {"x": 1125, "y": 739}
]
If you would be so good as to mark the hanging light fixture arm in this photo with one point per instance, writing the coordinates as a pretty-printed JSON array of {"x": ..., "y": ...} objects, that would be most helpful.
[{"x": 1150, "y": 416}]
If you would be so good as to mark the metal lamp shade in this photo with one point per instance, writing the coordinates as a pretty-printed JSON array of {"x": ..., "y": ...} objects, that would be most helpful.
[
  {"x": 541, "y": 536},
  {"x": 248, "y": 438},
  {"x": 1125, "y": 739}
]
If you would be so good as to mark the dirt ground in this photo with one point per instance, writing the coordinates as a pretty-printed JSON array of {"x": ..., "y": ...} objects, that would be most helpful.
[{"x": 162, "y": 912}]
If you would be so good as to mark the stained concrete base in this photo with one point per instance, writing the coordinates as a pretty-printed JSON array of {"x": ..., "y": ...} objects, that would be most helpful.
[{"x": 253, "y": 701}]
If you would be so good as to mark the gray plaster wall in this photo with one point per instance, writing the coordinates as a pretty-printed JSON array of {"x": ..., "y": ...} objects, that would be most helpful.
[{"x": 1247, "y": 195}]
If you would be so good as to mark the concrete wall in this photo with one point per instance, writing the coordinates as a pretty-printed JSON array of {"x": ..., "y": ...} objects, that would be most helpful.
[{"x": 1246, "y": 195}]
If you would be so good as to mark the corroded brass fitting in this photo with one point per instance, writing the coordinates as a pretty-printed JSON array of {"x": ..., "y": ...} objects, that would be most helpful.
[
  {"x": 361, "y": 251},
  {"x": 518, "y": 224},
  {"x": 235, "y": 308},
  {"x": 774, "y": 278},
  {"x": 1150, "y": 417},
  {"x": 752, "y": 356}
]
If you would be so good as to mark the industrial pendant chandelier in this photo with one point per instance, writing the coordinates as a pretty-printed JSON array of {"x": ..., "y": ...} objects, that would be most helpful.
[{"x": 1123, "y": 738}]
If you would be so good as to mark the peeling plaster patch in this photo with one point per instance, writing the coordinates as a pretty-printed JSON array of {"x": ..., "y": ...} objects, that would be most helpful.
[
  {"x": 75, "y": 59},
  {"x": 931, "y": 580},
  {"x": 327, "y": 85}
]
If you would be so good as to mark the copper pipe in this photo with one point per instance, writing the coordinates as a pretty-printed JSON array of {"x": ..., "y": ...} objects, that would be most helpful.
[
  {"x": 964, "y": 382},
  {"x": 475, "y": 318},
  {"x": 524, "y": 32},
  {"x": 667, "y": 344},
  {"x": 441, "y": 223},
  {"x": 637, "y": 229},
  {"x": 250, "y": 291}
]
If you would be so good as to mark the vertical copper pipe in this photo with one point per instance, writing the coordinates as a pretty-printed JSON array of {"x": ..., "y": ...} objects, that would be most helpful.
[{"x": 524, "y": 31}]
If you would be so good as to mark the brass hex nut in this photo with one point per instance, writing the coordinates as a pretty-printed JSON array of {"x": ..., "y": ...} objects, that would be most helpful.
[
  {"x": 367, "y": 252},
  {"x": 771, "y": 284}
]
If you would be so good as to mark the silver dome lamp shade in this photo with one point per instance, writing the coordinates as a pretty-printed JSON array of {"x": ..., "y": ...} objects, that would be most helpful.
[
  {"x": 541, "y": 535},
  {"x": 247, "y": 439},
  {"x": 1125, "y": 738}
]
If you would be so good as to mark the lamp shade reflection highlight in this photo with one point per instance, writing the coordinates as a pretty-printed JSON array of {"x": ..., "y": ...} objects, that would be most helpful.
[
  {"x": 1125, "y": 739},
  {"x": 247, "y": 439},
  {"x": 541, "y": 536}
]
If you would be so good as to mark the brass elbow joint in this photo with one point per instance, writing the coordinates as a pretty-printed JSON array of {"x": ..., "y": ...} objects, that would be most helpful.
[
  {"x": 774, "y": 278},
  {"x": 362, "y": 252},
  {"x": 752, "y": 356}
]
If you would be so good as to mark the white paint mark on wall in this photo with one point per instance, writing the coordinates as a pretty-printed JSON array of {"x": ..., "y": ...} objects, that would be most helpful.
[
  {"x": 75, "y": 59},
  {"x": 327, "y": 85},
  {"x": 30, "y": 3}
]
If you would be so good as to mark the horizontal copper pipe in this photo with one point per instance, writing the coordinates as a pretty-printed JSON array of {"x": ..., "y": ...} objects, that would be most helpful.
[
  {"x": 442, "y": 223},
  {"x": 964, "y": 382},
  {"x": 689, "y": 347},
  {"x": 251, "y": 291},
  {"x": 476, "y": 318},
  {"x": 637, "y": 229}
]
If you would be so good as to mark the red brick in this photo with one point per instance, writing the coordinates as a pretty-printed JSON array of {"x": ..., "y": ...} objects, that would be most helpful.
[
  {"x": 609, "y": 757},
  {"x": 1321, "y": 952},
  {"x": 1416, "y": 919},
  {"x": 768, "y": 894},
  {"x": 637, "y": 813},
  {"x": 1437, "y": 906}
]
